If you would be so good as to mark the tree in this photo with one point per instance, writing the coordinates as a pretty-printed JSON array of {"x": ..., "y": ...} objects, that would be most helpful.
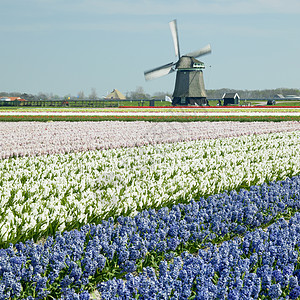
[
  {"x": 138, "y": 94},
  {"x": 55, "y": 97},
  {"x": 161, "y": 95},
  {"x": 29, "y": 97},
  {"x": 42, "y": 96},
  {"x": 80, "y": 95},
  {"x": 93, "y": 94}
]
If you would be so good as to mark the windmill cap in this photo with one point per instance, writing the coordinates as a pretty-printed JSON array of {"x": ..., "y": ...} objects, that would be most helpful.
[{"x": 188, "y": 62}]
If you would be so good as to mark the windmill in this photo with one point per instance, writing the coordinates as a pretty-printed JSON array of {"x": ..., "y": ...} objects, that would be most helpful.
[{"x": 189, "y": 84}]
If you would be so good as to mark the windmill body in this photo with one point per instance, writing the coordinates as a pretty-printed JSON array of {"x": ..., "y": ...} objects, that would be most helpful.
[{"x": 189, "y": 85}]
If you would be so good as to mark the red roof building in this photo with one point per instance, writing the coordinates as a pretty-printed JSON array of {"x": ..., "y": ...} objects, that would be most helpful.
[{"x": 12, "y": 98}]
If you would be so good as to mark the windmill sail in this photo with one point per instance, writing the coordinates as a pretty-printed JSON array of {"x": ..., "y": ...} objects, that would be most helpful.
[
  {"x": 160, "y": 71},
  {"x": 173, "y": 27},
  {"x": 200, "y": 52}
]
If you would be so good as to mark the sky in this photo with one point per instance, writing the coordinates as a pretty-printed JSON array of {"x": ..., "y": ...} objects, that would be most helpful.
[{"x": 67, "y": 46}]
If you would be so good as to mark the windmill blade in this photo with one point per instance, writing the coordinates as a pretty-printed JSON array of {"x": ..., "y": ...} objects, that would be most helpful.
[
  {"x": 160, "y": 71},
  {"x": 173, "y": 27},
  {"x": 200, "y": 52}
]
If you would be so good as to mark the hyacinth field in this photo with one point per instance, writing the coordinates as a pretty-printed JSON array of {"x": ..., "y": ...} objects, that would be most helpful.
[{"x": 140, "y": 210}]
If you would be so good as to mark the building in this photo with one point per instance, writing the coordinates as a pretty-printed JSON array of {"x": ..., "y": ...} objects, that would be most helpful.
[
  {"x": 11, "y": 99},
  {"x": 231, "y": 99},
  {"x": 115, "y": 95},
  {"x": 292, "y": 97},
  {"x": 278, "y": 96}
]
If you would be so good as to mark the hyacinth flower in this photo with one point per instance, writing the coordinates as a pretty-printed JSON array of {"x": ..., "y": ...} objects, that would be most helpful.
[
  {"x": 44, "y": 194},
  {"x": 112, "y": 249},
  {"x": 72, "y": 257},
  {"x": 42, "y": 138},
  {"x": 59, "y": 267},
  {"x": 223, "y": 272}
]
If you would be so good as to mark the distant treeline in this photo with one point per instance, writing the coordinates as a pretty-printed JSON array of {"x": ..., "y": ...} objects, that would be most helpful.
[
  {"x": 139, "y": 93},
  {"x": 252, "y": 94}
]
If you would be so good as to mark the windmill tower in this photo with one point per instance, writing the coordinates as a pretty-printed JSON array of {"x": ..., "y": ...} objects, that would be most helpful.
[{"x": 189, "y": 84}]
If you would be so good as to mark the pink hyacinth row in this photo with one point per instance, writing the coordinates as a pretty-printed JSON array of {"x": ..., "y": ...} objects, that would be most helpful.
[{"x": 38, "y": 138}]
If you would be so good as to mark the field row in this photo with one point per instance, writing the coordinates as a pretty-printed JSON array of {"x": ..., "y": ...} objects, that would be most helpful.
[
  {"x": 43, "y": 194},
  {"x": 262, "y": 265},
  {"x": 148, "y": 109},
  {"x": 150, "y": 118},
  {"x": 144, "y": 113},
  {"x": 38, "y": 138},
  {"x": 185, "y": 252}
]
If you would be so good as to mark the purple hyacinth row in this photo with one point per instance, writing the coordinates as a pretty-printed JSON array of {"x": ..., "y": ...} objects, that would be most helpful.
[
  {"x": 263, "y": 265},
  {"x": 66, "y": 265}
]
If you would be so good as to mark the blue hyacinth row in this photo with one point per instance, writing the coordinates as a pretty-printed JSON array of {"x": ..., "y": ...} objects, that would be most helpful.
[
  {"x": 69, "y": 264},
  {"x": 265, "y": 265}
]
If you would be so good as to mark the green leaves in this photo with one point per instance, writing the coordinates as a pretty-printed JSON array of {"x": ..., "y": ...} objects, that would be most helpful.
[{"x": 65, "y": 191}]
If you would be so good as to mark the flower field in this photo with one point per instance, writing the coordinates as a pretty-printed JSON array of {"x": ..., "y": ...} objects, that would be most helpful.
[
  {"x": 153, "y": 114},
  {"x": 149, "y": 109},
  {"x": 151, "y": 211},
  {"x": 36, "y": 138}
]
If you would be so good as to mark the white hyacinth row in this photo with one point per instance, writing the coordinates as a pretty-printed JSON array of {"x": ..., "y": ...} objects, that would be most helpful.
[
  {"x": 38, "y": 138},
  {"x": 72, "y": 189}
]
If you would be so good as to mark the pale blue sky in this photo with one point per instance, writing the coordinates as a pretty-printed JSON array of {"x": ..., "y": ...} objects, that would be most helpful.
[{"x": 67, "y": 46}]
